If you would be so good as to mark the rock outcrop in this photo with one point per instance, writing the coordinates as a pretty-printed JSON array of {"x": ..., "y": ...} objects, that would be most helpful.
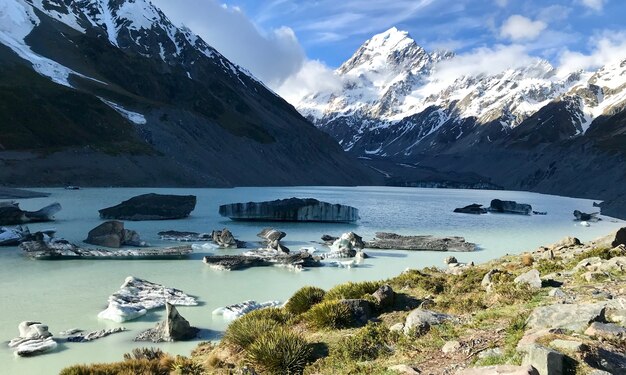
[
  {"x": 137, "y": 296},
  {"x": 419, "y": 321},
  {"x": 392, "y": 241},
  {"x": 475, "y": 209},
  {"x": 34, "y": 339},
  {"x": 151, "y": 207},
  {"x": 173, "y": 328},
  {"x": 293, "y": 209},
  {"x": 113, "y": 234},
  {"x": 238, "y": 310},
  {"x": 12, "y": 214},
  {"x": 62, "y": 249},
  {"x": 510, "y": 207}
]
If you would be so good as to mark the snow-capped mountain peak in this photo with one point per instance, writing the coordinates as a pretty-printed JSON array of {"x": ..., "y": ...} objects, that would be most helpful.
[{"x": 397, "y": 96}]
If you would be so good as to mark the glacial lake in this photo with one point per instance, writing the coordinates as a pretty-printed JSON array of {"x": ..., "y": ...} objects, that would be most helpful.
[{"x": 69, "y": 294}]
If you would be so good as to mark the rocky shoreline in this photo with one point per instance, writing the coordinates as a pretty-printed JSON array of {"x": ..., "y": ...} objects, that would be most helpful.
[{"x": 558, "y": 309}]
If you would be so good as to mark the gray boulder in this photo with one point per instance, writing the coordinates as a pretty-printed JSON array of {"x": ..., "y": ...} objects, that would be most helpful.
[
  {"x": 113, "y": 234},
  {"x": 361, "y": 310},
  {"x": 606, "y": 331},
  {"x": 602, "y": 359},
  {"x": 620, "y": 238},
  {"x": 151, "y": 207},
  {"x": 575, "y": 317},
  {"x": 499, "y": 370},
  {"x": 419, "y": 321},
  {"x": 385, "y": 296},
  {"x": 173, "y": 328},
  {"x": 292, "y": 209},
  {"x": 545, "y": 360},
  {"x": 531, "y": 278},
  {"x": 510, "y": 207}
]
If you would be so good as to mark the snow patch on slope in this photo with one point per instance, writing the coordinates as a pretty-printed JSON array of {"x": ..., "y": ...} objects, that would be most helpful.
[{"x": 133, "y": 117}]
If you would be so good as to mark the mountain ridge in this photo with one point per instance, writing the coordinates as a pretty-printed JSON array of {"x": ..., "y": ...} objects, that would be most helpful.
[
  {"x": 525, "y": 127},
  {"x": 176, "y": 100}
]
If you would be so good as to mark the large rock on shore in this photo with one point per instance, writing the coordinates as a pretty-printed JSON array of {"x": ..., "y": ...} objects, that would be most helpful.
[
  {"x": 151, "y": 207},
  {"x": 12, "y": 214},
  {"x": 510, "y": 207},
  {"x": 173, "y": 328},
  {"x": 113, "y": 234},
  {"x": 137, "y": 296},
  {"x": 34, "y": 339},
  {"x": 293, "y": 209},
  {"x": 427, "y": 243}
]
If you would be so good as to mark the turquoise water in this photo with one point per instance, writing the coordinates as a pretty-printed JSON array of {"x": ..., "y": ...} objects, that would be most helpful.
[{"x": 70, "y": 294}]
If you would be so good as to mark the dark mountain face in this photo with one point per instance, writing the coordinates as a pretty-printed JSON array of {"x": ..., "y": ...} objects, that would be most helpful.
[{"x": 143, "y": 102}]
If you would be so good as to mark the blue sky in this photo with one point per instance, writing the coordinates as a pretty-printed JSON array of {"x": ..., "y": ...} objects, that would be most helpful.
[
  {"x": 294, "y": 45},
  {"x": 331, "y": 30}
]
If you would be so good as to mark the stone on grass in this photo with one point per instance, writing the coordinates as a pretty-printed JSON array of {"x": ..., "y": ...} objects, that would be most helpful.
[
  {"x": 545, "y": 360},
  {"x": 568, "y": 345},
  {"x": 606, "y": 331},
  {"x": 531, "y": 278},
  {"x": 419, "y": 321},
  {"x": 575, "y": 317},
  {"x": 451, "y": 347},
  {"x": 403, "y": 369},
  {"x": 499, "y": 370}
]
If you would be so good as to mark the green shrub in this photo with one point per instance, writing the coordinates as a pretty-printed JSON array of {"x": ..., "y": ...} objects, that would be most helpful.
[
  {"x": 430, "y": 283},
  {"x": 304, "y": 299},
  {"x": 243, "y": 331},
  {"x": 144, "y": 353},
  {"x": 602, "y": 253},
  {"x": 352, "y": 290},
  {"x": 275, "y": 314},
  {"x": 128, "y": 367},
  {"x": 329, "y": 315},
  {"x": 185, "y": 366},
  {"x": 367, "y": 344},
  {"x": 279, "y": 351},
  {"x": 546, "y": 266}
]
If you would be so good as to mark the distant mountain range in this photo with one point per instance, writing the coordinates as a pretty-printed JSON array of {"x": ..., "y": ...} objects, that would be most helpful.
[
  {"x": 110, "y": 92},
  {"x": 524, "y": 128}
]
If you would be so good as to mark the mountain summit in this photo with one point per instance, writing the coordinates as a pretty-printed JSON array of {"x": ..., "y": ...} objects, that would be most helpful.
[
  {"x": 110, "y": 92},
  {"x": 408, "y": 112}
]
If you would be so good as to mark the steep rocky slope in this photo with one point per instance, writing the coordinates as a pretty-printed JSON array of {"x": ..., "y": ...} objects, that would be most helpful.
[{"x": 110, "y": 92}]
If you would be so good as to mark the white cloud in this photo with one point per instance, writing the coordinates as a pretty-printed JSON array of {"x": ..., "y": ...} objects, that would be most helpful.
[
  {"x": 314, "y": 77},
  {"x": 596, "y": 5},
  {"x": 607, "y": 47},
  {"x": 518, "y": 27},
  {"x": 272, "y": 56},
  {"x": 487, "y": 61},
  {"x": 502, "y": 3}
]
